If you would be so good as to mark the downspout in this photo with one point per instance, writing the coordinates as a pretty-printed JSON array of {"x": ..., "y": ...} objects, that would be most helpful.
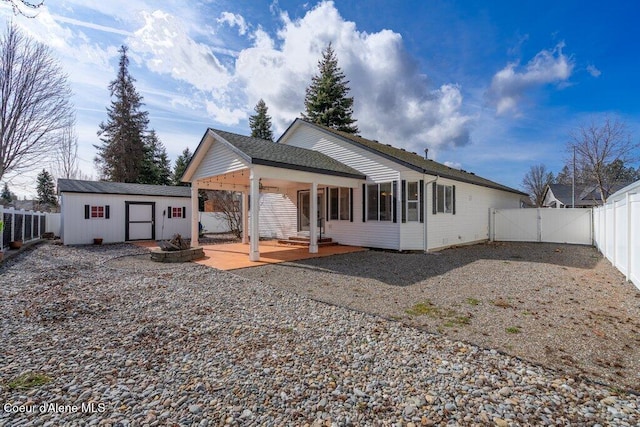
[{"x": 424, "y": 203}]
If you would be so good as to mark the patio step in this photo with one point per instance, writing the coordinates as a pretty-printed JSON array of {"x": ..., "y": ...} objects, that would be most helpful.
[{"x": 304, "y": 241}]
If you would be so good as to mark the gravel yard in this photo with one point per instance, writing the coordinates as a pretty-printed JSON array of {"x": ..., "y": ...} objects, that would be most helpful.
[
  {"x": 562, "y": 306},
  {"x": 188, "y": 345}
]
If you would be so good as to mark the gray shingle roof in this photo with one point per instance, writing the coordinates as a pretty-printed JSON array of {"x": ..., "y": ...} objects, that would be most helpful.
[
  {"x": 415, "y": 161},
  {"x": 262, "y": 152},
  {"x": 104, "y": 187},
  {"x": 586, "y": 195}
]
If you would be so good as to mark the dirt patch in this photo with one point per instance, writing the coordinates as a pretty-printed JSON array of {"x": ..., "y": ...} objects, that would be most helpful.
[{"x": 562, "y": 306}]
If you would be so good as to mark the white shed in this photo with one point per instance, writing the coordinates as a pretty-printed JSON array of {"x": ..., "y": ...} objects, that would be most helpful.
[{"x": 119, "y": 212}]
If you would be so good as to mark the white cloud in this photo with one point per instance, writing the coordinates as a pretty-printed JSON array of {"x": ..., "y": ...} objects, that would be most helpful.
[
  {"x": 225, "y": 115},
  {"x": 166, "y": 47},
  {"x": 233, "y": 20},
  {"x": 509, "y": 85},
  {"x": 453, "y": 165},
  {"x": 591, "y": 69},
  {"x": 393, "y": 101}
]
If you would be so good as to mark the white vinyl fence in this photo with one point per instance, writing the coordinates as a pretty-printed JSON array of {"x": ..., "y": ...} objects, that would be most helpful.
[
  {"x": 542, "y": 225},
  {"x": 617, "y": 231},
  {"x": 214, "y": 222},
  {"x": 18, "y": 224}
]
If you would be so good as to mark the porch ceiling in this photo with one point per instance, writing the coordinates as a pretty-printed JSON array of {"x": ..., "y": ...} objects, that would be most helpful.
[{"x": 272, "y": 179}]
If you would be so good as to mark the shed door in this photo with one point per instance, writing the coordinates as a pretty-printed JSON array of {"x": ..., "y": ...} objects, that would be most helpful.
[{"x": 139, "y": 219}]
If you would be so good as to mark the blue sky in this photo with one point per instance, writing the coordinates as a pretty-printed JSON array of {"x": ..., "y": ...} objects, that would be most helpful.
[{"x": 491, "y": 87}]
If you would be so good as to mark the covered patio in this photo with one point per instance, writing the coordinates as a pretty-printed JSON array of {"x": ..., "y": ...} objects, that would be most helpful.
[
  {"x": 232, "y": 256},
  {"x": 251, "y": 166}
]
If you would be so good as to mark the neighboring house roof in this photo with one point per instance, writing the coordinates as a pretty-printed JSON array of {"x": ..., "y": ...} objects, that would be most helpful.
[
  {"x": 262, "y": 152},
  {"x": 104, "y": 187},
  {"x": 586, "y": 195},
  {"x": 411, "y": 160}
]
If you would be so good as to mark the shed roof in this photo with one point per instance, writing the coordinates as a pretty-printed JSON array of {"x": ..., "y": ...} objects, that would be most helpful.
[
  {"x": 413, "y": 160},
  {"x": 262, "y": 152},
  {"x": 104, "y": 187}
]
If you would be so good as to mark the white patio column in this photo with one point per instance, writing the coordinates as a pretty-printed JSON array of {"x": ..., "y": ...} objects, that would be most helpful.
[
  {"x": 254, "y": 250},
  {"x": 245, "y": 217},
  {"x": 313, "y": 226},
  {"x": 195, "y": 217}
]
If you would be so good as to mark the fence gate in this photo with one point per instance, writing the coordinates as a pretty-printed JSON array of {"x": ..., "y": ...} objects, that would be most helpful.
[{"x": 542, "y": 225}]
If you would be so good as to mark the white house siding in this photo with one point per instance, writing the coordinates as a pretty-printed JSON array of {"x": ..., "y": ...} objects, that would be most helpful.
[
  {"x": 376, "y": 168},
  {"x": 378, "y": 234},
  {"x": 278, "y": 215},
  {"x": 224, "y": 160},
  {"x": 471, "y": 220},
  {"x": 374, "y": 234},
  {"x": 76, "y": 230}
]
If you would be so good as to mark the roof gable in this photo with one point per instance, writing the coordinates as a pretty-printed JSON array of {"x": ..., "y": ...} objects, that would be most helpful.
[
  {"x": 105, "y": 187},
  {"x": 405, "y": 158},
  {"x": 262, "y": 152},
  {"x": 586, "y": 195}
]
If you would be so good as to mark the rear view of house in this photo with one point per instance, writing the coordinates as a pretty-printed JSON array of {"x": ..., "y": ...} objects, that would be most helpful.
[
  {"x": 119, "y": 212},
  {"x": 356, "y": 191}
]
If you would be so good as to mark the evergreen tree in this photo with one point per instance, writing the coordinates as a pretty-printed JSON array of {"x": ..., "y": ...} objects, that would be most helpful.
[
  {"x": 260, "y": 123},
  {"x": 46, "y": 189},
  {"x": 122, "y": 153},
  {"x": 156, "y": 168},
  {"x": 181, "y": 166},
  {"x": 6, "y": 196},
  {"x": 326, "y": 101},
  {"x": 564, "y": 176}
]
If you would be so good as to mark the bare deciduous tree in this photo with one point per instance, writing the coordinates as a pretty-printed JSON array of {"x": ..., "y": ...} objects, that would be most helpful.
[
  {"x": 24, "y": 7},
  {"x": 535, "y": 183},
  {"x": 67, "y": 151},
  {"x": 600, "y": 145},
  {"x": 34, "y": 102},
  {"x": 228, "y": 204}
]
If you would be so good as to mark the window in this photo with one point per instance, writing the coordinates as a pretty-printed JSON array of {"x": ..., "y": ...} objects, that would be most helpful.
[
  {"x": 372, "y": 202},
  {"x": 97, "y": 211},
  {"x": 177, "y": 212},
  {"x": 345, "y": 204},
  {"x": 379, "y": 202},
  {"x": 413, "y": 201},
  {"x": 333, "y": 203},
  {"x": 340, "y": 204},
  {"x": 444, "y": 198}
]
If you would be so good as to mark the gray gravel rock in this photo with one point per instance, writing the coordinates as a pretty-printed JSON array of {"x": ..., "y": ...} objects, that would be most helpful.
[{"x": 184, "y": 344}]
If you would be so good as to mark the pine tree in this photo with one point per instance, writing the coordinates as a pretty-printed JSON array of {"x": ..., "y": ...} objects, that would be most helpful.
[
  {"x": 122, "y": 153},
  {"x": 181, "y": 166},
  {"x": 326, "y": 101},
  {"x": 156, "y": 168},
  {"x": 564, "y": 176},
  {"x": 260, "y": 123},
  {"x": 6, "y": 196},
  {"x": 46, "y": 190}
]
